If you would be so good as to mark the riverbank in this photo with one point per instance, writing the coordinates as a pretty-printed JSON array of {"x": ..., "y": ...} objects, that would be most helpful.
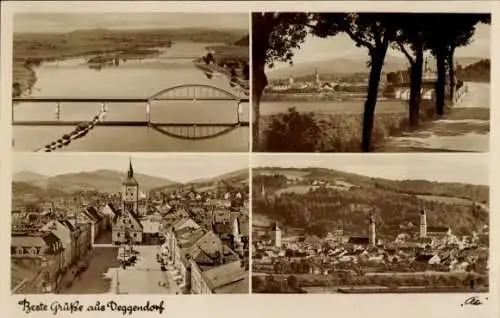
[
  {"x": 409, "y": 290},
  {"x": 314, "y": 97},
  {"x": 439, "y": 282},
  {"x": 32, "y": 49}
]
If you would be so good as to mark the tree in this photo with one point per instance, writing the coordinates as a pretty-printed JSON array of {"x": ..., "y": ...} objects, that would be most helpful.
[
  {"x": 16, "y": 89},
  {"x": 412, "y": 31},
  {"x": 257, "y": 283},
  {"x": 293, "y": 131},
  {"x": 292, "y": 282},
  {"x": 274, "y": 36},
  {"x": 374, "y": 31},
  {"x": 450, "y": 30}
]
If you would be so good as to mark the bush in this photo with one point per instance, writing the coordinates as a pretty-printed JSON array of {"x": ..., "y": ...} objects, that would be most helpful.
[{"x": 293, "y": 132}]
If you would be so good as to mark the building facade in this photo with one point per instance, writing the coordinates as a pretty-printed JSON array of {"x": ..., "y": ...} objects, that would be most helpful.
[{"x": 126, "y": 226}]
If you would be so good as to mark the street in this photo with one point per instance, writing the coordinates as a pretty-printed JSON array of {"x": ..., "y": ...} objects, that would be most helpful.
[
  {"x": 105, "y": 275},
  {"x": 145, "y": 277},
  {"x": 465, "y": 128}
]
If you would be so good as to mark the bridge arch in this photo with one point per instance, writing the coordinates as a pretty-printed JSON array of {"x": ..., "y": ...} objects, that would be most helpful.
[{"x": 194, "y": 92}]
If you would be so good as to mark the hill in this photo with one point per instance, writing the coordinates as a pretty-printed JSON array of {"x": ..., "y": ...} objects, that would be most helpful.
[
  {"x": 244, "y": 41},
  {"x": 235, "y": 178},
  {"x": 28, "y": 176},
  {"x": 476, "y": 72},
  {"x": 349, "y": 65},
  {"x": 344, "y": 201},
  {"x": 100, "y": 180}
]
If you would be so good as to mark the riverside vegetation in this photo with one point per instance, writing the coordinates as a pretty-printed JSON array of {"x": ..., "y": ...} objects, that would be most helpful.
[{"x": 32, "y": 49}]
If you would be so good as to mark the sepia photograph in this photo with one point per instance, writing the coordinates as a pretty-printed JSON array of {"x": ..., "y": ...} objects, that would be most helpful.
[
  {"x": 130, "y": 82},
  {"x": 110, "y": 224},
  {"x": 371, "y": 82},
  {"x": 353, "y": 224}
]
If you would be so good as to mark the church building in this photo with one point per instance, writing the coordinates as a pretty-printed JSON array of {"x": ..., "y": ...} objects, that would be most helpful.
[{"x": 127, "y": 227}]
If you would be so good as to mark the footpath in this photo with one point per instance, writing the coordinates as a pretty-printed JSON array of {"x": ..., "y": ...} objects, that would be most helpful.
[{"x": 465, "y": 128}]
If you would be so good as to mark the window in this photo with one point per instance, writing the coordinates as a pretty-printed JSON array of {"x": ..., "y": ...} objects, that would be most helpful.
[
  {"x": 20, "y": 250},
  {"x": 118, "y": 234}
]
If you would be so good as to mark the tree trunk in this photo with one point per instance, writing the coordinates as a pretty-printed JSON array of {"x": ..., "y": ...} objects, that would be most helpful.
[
  {"x": 452, "y": 74},
  {"x": 441, "y": 80},
  {"x": 416, "y": 87},
  {"x": 259, "y": 83},
  {"x": 377, "y": 62}
]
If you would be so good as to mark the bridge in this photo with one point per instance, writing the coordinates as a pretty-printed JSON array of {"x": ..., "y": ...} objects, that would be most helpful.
[{"x": 187, "y": 131}]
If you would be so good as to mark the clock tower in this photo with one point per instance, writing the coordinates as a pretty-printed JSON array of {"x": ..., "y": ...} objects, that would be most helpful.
[{"x": 130, "y": 194}]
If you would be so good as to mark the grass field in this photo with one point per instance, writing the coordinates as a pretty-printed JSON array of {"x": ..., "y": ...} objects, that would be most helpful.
[
  {"x": 447, "y": 200},
  {"x": 299, "y": 189}
]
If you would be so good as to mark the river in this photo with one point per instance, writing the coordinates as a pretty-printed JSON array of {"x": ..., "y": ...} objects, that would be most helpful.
[{"x": 131, "y": 79}]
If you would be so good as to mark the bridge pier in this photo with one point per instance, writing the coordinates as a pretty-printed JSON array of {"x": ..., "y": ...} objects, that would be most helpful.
[
  {"x": 148, "y": 111},
  {"x": 57, "y": 111}
]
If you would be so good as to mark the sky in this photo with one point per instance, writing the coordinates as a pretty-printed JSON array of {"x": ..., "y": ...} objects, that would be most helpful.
[
  {"x": 68, "y": 22},
  {"x": 319, "y": 49},
  {"x": 176, "y": 167},
  {"x": 463, "y": 168}
]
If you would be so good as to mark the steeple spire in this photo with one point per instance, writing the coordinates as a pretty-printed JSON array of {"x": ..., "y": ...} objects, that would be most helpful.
[{"x": 130, "y": 169}]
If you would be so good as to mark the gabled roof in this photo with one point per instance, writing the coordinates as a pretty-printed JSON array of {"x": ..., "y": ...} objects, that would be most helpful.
[
  {"x": 50, "y": 239},
  {"x": 359, "y": 240},
  {"x": 223, "y": 228},
  {"x": 68, "y": 225},
  {"x": 210, "y": 244},
  {"x": 134, "y": 217},
  {"x": 225, "y": 274},
  {"x": 29, "y": 239},
  {"x": 92, "y": 214},
  {"x": 423, "y": 257},
  {"x": 238, "y": 287},
  {"x": 438, "y": 229}
]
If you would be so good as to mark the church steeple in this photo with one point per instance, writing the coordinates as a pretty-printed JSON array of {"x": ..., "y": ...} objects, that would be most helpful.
[{"x": 130, "y": 169}]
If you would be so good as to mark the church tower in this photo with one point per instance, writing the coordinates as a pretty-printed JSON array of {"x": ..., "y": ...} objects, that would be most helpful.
[
  {"x": 130, "y": 193},
  {"x": 423, "y": 223},
  {"x": 276, "y": 235},
  {"x": 317, "y": 82},
  {"x": 371, "y": 230}
]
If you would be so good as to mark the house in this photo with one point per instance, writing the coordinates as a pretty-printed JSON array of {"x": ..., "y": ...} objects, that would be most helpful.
[
  {"x": 434, "y": 260},
  {"x": 43, "y": 253},
  {"x": 65, "y": 233},
  {"x": 438, "y": 231},
  {"x": 109, "y": 212},
  {"x": 358, "y": 240},
  {"x": 229, "y": 278},
  {"x": 89, "y": 215},
  {"x": 126, "y": 227},
  {"x": 83, "y": 238}
]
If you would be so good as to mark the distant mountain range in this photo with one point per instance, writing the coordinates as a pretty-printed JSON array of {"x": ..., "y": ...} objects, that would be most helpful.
[
  {"x": 27, "y": 182},
  {"x": 238, "y": 176},
  {"x": 100, "y": 180},
  {"x": 349, "y": 65}
]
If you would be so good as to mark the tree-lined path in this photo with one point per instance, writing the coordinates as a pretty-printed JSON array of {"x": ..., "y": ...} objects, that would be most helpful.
[{"x": 465, "y": 127}]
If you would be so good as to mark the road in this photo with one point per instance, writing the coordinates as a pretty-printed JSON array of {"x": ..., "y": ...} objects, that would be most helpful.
[
  {"x": 466, "y": 127},
  {"x": 145, "y": 277}
]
